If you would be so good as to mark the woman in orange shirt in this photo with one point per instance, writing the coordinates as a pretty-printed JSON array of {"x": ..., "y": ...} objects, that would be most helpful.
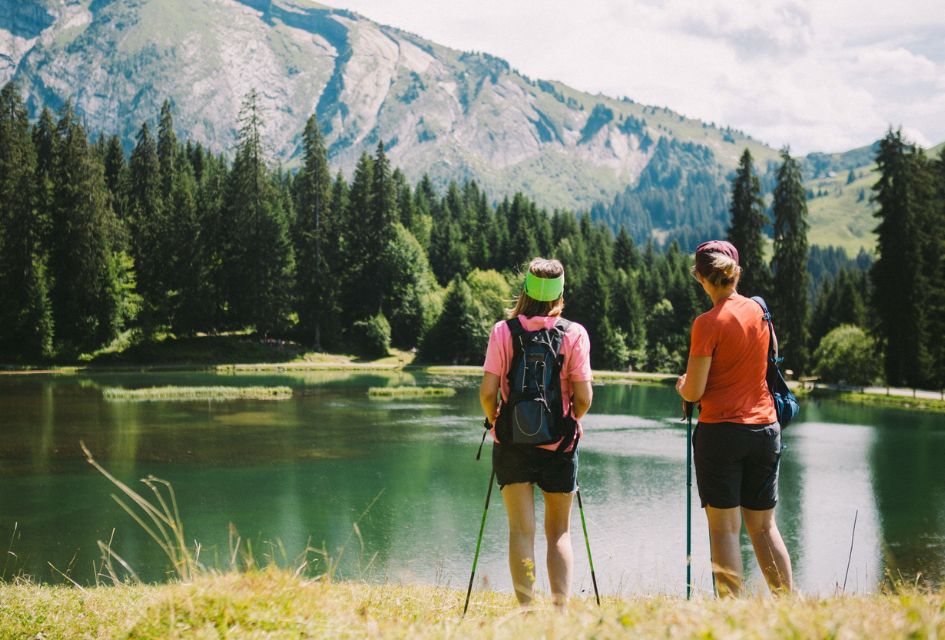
[{"x": 737, "y": 443}]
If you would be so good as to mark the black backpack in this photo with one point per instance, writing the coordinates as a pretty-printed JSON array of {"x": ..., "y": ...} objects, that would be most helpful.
[{"x": 533, "y": 413}]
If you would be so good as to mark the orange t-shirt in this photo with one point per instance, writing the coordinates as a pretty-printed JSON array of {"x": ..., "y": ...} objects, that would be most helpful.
[{"x": 735, "y": 334}]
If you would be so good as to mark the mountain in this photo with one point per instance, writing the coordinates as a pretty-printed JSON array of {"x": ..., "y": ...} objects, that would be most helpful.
[{"x": 453, "y": 115}]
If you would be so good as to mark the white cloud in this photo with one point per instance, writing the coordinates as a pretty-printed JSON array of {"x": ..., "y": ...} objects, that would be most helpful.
[{"x": 824, "y": 75}]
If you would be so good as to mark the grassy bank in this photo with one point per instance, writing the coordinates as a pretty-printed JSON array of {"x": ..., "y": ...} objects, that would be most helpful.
[
  {"x": 183, "y": 394},
  {"x": 394, "y": 393},
  {"x": 276, "y": 604},
  {"x": 612, "y": 377},
  {"x": 879, "y": 400}
]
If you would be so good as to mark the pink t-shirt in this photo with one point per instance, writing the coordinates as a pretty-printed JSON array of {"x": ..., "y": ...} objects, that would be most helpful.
[{"x": 575, "y": 347}]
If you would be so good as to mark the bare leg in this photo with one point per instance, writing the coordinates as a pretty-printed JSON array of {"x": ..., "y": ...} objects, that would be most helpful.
[
  {"x": 769, "y": 547},
  {"x": 724, "y": 528},
  {"x": 519, "y": 501},
  {"x": 560, "y": 554}
]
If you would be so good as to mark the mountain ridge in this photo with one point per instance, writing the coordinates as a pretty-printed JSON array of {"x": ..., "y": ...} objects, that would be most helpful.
[{"x": 450, "y": 114}]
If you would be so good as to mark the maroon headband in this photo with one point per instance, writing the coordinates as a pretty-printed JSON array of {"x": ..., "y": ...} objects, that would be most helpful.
[{"x": 724, "y": 247}]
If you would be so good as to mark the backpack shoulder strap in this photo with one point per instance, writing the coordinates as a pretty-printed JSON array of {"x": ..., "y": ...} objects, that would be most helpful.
[
  {"x": 515, "y": 327},
  {"x": 518, "y": 333},
  {"x": 772, "y": 340},
  {"x": 560, "y": 328},
  {"x": 764, "y": 307},
  {"x": 564, "y": 324}
]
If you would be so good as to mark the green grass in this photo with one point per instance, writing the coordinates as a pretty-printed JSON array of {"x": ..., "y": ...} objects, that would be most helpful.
[
  {"x": 277, "y": 604},
  {"x": 201, "y": 350},
  {"x": 196, "y": 393},
  {"x": 843, "y": 217},
  {"x": 395, "y": 393},
  {"x": 453, "y": 370},
  {"x": 880, "y": 400}
]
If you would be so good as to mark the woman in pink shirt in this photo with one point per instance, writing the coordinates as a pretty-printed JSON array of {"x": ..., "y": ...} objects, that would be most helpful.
[{"x": 522, "y": 459}]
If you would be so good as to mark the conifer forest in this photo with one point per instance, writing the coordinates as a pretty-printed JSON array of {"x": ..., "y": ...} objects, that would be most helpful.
[{"x": 170, "y": 240}]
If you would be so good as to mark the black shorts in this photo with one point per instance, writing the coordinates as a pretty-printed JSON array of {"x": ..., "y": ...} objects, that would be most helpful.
[
  {"x": 737, "y": 464},
  {"x": 552, "y": 472}
]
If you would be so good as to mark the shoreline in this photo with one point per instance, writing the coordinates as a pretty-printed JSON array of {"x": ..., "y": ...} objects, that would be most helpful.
[
  {"x": 877, "y": 399},
  {"x": 906, "y": 399},
  {"x": 383, "y": 364}
]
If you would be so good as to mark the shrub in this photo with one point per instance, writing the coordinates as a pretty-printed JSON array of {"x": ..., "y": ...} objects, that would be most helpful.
[
  {"x": 371, "y": 337},
  {"x": 491, "y": 291},
  {"x": 461, "y": 333},
  {"x": 412, "y": 302},
  {"x": 847, "y": 355}
]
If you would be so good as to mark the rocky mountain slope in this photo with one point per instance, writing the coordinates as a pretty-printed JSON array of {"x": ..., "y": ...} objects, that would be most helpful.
[
  {"x": 441, "y": 111},
  {"x": 451, "y": 114}
]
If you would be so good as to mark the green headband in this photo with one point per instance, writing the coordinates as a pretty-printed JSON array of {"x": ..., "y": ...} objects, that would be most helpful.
[{"x": 543, "y": 289}]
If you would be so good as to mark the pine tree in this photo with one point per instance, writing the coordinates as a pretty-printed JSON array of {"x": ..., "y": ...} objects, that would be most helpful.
[
  {"x": 424, "y": 202},
  {"x": 626, "y": 255},
  {"x": 44, "y": 144},
  {"x": 936, "y": 268},
  {"x": 479, "y": 225},
  {"x": 523, "y": 244},
  {"x": 629, "y": 314},
  {"x": 26, "y": 329},
  {"x": 899, "y": 277},
  {"x": 151, "y": 238},
  {"x": 746, "y": 230},
  {"x": 839, "y": 301},
  {"x": 211, "y": 175},
  {"x": 85, "y": 270},
  {"x": 115, "y": 175},
  {"x": 789, "y": 294},
  {"x": 591, "y": 307},
  {"x": 461, "y": 333},
  {"x": 166, "y": 149},
  {"x": 405, "y": 203},
  {"x": 315, "y": 231},
  {"x": 359, "y": 296},
  {"x": 258, "y": 252},
  {"x": 187, "y": 280},
  {"x": 383, "y": 217},
  {"x": 449, "y": 254}
]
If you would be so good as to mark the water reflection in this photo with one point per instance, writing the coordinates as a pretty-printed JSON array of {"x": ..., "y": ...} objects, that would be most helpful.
[{"x": 303, "y": 471}]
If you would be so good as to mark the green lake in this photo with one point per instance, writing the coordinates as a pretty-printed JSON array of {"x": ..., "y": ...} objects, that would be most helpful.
[{"x": 287, "y": 474}]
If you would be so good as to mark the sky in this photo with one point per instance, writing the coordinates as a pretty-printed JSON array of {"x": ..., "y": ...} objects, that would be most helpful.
[{"x": 818, "y": 75}]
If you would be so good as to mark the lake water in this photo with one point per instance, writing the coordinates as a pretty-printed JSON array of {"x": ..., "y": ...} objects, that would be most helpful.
[{"x": 298, "y": 472}]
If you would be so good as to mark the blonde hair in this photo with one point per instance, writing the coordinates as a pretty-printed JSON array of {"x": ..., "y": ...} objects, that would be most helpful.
[
  {"x": 527, "y": 306},
  {"x": 719, "y": 269}
]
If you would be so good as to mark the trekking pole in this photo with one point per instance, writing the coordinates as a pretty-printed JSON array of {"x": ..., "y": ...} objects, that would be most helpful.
[
  {"x": 482, "y": 527},
  {"x": 689, "y": 407},
  {"x": 587, "y": 543}
]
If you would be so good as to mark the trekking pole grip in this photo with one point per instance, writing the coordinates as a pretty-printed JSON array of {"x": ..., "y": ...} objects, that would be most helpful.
[{"x": 486, "y": 426}]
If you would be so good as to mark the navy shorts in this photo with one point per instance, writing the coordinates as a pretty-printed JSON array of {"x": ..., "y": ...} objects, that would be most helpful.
[
  {"x": 737, "y": 464},
  {"x": 552, "y": 472}
]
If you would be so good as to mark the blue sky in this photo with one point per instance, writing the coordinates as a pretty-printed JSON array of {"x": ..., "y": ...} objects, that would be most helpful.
[{"x": 825, "y": 75}]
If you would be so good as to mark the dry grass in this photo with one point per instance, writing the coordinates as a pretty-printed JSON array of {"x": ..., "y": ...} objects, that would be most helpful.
[{"x": 277, "y": 604}]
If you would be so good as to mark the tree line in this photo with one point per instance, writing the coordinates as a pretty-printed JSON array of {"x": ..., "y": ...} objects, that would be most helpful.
[
  {"x": 874, "y": 320},
  {"x": 173, "y": 239}
]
